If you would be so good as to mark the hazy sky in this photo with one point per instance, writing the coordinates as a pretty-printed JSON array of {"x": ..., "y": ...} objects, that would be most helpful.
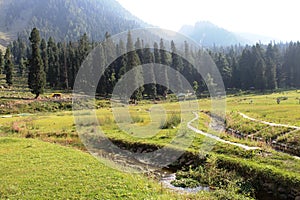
[{"x": 278, "y": 18}]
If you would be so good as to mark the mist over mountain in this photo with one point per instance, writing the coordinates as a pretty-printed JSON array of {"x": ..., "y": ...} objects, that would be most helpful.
[
  {"x": 64, "y": 19},
  {"x": 255, "y": 38},
  {"x": 209, "y": 34}
]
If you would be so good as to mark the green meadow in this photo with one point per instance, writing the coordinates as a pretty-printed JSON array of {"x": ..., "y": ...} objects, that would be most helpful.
[{"x": 43, "y": 155}]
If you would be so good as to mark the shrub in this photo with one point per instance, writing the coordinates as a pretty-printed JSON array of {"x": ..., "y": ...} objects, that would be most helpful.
[
  {"x": 171, "y": 122},
  {"x": 137, "y": 119}
]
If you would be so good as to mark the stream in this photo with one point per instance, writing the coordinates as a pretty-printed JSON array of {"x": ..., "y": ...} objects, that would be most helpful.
[
  {"x": 129, "y": 164},
  {"x": 216, "y": 127},
  {"x": 165, "y": 176}
]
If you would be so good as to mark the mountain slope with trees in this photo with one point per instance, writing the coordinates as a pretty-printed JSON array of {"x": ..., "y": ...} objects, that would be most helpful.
[{"x": 63, "y": 20}]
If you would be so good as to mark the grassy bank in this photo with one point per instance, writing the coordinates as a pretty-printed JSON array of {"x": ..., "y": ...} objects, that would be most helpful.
[{"x": 32, "y": 169}]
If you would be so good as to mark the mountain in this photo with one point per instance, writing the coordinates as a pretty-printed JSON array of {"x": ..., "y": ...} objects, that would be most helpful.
[
  {"x": 208, "y": 34},
  {"x": 64, "y": 19},
  {"x": 257, "y": 38}
]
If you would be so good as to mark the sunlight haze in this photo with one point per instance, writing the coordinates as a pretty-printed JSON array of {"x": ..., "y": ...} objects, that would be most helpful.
[{"x": 277, "y": 19}]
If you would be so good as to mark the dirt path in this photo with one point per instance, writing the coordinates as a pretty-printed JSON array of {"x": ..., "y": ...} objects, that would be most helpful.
[
  {"x": 268, "y": 123},
  {"x": 216, "y": 137}
]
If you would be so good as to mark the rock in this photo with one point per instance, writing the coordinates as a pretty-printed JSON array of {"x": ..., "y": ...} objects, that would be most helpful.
[{"x": 297, "y": 198}]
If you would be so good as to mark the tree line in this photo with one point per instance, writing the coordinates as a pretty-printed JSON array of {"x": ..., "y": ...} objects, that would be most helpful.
[{"x": 55, "y": 64}]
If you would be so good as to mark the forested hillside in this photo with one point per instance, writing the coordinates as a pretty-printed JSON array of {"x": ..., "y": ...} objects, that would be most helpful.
[
  {"x": 63, "y": 20},
  {"x": 258, "y": 67}
]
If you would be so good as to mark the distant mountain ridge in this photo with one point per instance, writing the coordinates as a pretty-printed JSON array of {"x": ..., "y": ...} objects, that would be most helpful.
[
  {"x": 64, "y": 19},
  {"x": 207, "y": 34}
]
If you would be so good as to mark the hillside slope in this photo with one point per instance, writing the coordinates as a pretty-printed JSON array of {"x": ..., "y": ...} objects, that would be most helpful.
[{"x": 64, "y": 19}]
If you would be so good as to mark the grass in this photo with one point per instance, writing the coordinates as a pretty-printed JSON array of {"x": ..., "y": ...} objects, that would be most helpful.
[
  {"x": 266, "y": 108},
  {"x": 172, "y": 121},
  {"x": 32, "y": 169},
  {"x": 60, "y": 128},
  {"x": 57, "y": 125}
]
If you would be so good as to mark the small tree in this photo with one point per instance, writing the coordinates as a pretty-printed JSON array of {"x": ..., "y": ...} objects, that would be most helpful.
[
  {"x": 36, "y": 75},
  {"x": 195, "y": 87},
  {"x": 8, "y": 67}
]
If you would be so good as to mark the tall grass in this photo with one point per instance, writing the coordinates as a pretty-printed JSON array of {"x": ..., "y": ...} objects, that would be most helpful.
[{"x": 172, "y": 121}]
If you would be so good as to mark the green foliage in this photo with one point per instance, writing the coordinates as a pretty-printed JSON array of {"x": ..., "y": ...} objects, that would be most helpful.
[
  {"x": 172, "y": 121},
  {"x": 225, "y": 69},
  {"x": 176, "y": 64},
  {"x": 196, "y": 87},
  {"x": 137, "y": 119},
  {"x": 1, "y": 61},
  {"x": 249, "y": 68},
  {"x": 133, "y": 60},
  {"x": 8, "y": 67},
  {"x": 185, "y": 183},
  {"x": 216, "y": 178},
  {"x": 36, "y": 75}
]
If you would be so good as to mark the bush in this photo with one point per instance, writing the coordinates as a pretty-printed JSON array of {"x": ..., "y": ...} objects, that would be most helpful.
[
  {"x": 171, "y": 122},
  {"x": 137, "y": 119},
  {"x": 186, "y": 183}
]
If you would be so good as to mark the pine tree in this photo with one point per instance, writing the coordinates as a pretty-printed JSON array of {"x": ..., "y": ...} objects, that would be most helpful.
[
  {"x": 71, "y": 62},
  {"x": 121, "y": 61},
  {"x": 108, "y": 55},
  {"x": 246, "y": 65},
  {"x": 271, "y": 82},
  {"x": 139, "y": 50},
  {"x": 224, "y": 68},
  {"x": 103, "y": 84},
  {"x": 259, "y": 68},
  {"x": 297, "y": 66},
  {"x": 36, "y": 76},
  {"x": 161, "y": 73},
  {"x": 156, "y": 54},
  {"x": 150, "y": 89},
  {"x": 176, "y": 65},
  {"x": 53, "y": 63},
  {"x": 8, "y": 67},
  {"x": 22, "y": 67},
  {"x": 134, "y": 61},
  {"x": 44, "y": 54},
  {"x": 19, "y": 54},
  {"x": 1, "y": 61},
  {"x": 235, "y": 80},
  {"x": 196, "y": 87},
  {"x": 84, "y": 47},
  {"x": 187, "y": 69},
  {"x": 63, "y": 73}
]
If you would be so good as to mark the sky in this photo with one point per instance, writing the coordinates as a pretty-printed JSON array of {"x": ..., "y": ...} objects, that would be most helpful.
[{"x": 278, "y": 19}]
